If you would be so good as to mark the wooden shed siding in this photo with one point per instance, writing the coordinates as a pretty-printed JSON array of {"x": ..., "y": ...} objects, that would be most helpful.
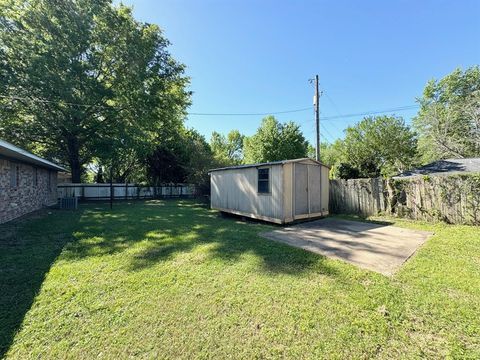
[
  {"x": 300, "y": 175},
  {"x": 288, "y": 192},
  {"x": 236, "y": 189},
  {"x": 314, "y": 189},
  {"x": 324, "y": 186},
  {"x": 299, "y": 190}
]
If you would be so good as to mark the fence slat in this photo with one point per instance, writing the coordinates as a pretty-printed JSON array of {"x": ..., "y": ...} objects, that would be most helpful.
[
  {"x": 455, "y": 199},
  {"x": 125, "y": 191}
]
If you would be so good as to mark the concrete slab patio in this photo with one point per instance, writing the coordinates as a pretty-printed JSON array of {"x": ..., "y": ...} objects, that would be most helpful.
[{"x": 377, "y": 247}]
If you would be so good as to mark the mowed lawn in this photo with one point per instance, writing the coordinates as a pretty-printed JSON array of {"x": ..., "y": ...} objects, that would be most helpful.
[{"x": 172, "y": 279}]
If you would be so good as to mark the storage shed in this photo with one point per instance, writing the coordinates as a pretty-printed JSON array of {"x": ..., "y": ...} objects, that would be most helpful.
[{"x": 279, "y": 191}]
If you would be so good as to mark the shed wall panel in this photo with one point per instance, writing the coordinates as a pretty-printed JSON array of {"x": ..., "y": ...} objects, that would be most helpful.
[
  {"x": 314, "y": 189},
  {"x": 301, "y": 189},
  {"x": 324, "y": 184},
  {"x": 236, "y": 189},
  {"x": 288, "y": 191}
]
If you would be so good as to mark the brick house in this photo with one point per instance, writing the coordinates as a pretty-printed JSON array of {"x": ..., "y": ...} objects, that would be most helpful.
[{"x": 27, "y": 182}]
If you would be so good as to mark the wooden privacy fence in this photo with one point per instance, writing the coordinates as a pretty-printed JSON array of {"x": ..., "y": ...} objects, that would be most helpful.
[
  {"x": 125, "y": 191},
  {"x": 357, "y": 196},
  {"x": 452, "y": 198}
]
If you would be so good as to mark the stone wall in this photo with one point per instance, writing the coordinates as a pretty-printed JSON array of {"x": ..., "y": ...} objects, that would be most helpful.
[{"x": 32, "y": 189}]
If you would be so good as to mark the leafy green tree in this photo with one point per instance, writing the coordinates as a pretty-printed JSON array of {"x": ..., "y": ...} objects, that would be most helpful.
[
  {"x": 449, "y": 118},
  {"x": 184, "y": 158},
  {"x": 200, "y": 160},
  {"x": 333, "y": 154},
  {"x": 345, "y": 171},
  {"x": 311, "y": 150},
  {"x": 330, "y": 153},
  {"x": 275, "y": 141},
  {"x": 166, "y": 164},
  {"x": 79, "y": 75},
  {"x": 378, "y": 146},
  {"x": 227, "y": 150},
  {"x": 121, "y": 159}
]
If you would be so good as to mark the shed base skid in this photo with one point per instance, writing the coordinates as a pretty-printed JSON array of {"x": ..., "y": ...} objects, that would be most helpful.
[{"x": 304, "y": 217}]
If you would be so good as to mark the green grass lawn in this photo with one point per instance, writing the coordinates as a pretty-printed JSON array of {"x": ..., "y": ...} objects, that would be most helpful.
[{"x": 172, "y": 279}]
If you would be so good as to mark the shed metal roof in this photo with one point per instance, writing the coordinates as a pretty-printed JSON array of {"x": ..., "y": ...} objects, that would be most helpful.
[
  {"x": 280, "y": 162},
  {"x": 15, "y": 153},
  {"x": 445, "y": 167}
]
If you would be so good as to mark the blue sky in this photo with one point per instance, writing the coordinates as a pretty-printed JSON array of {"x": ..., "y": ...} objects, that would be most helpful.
[{"x": 257, "y": 56}]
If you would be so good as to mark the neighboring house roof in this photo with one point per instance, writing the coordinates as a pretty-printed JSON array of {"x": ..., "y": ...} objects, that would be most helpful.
[
  {"x": 15, "y": 153},
  {"x": 281, "y": 162},
  {"x": 445, "y": 167}
]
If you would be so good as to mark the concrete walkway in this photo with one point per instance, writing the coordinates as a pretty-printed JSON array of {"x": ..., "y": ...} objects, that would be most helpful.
[{"x": 381, "y": 248}]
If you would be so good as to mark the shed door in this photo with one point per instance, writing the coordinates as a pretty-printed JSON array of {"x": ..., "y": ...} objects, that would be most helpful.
[
  {"x": 314, "y": 188},
  {"x": 301, "y": 189}
]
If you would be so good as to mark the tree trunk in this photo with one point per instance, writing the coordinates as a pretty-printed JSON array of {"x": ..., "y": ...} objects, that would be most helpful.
[
  {"x": 74, "y": 159},
  {"x": 76, "y": 170}
]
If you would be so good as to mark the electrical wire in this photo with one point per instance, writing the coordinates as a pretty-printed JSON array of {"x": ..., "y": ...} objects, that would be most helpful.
[
  {"x": 325, "y": 130},
  {"x": 345, "y": 116},
  {"x": 323, "y": 118},
  {"x": 333, "y": 103},
  {"x": 251, "y": 114},
  {"x": 190, "y": 113},
  {"x": 333, "y": 123},
  {"x": 328, "y": 118}
]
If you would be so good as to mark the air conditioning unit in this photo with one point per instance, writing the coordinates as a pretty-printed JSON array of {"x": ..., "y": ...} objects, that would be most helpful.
[{"x": 69, "y": 203}]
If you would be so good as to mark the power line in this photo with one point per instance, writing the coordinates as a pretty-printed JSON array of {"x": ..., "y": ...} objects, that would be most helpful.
[
  {"x": 325, "y": 130},
  {"x": 329, "y": 98},
  {"x": 401, "y": 108},
  {"x": 333, "y": 103},
  {"x": 190, "y": 113},
  {"x": 251, "y": 114},
  {"x": 328, "y": 118}
]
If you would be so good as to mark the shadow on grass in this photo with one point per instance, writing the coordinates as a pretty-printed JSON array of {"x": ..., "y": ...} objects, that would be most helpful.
[
  {"x": 28, "y": 248},
  {"x": 171, "y": 227}
]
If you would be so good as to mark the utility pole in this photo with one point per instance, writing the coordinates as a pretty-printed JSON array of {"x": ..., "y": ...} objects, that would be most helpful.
[{"x": 317, "y": 118}]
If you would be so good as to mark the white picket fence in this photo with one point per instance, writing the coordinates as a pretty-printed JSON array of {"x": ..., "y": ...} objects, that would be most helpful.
[{"x": 124, "y": 191}]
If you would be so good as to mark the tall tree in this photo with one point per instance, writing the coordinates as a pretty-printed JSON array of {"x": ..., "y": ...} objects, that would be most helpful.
[
  {"x": 381, "y": 145},
  {"x": 227, "y": 150},
  {"x": 186, "y": 157},
  {"x": 330, "y": 153},
  {"x": 275, "y": 141},
  {"x": 449, "y": 118},
  {"x": 79, "y": 75}
]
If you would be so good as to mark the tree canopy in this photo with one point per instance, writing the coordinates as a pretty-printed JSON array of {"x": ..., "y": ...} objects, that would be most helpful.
[
  {"x": 83, "y": 79},
  {"x": 85, "y": 84},
  {"x": 376, "y": 146},
  {"x": 184, "y": 158},
  {"x": 449, "y": 118},
  {"x": 227, "y": 150},
  {"x": 330, "y": 153},
  {"x": 275, "y": 141}
]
